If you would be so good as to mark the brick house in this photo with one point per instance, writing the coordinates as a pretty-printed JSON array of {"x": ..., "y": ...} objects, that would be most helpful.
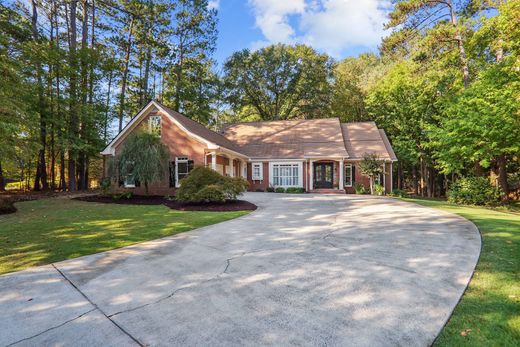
[{"x": 315, "y": 154}]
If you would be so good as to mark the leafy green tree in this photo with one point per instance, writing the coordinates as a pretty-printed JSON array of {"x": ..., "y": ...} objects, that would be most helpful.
[
  {"x": 353, "y": 78},
  {"x": 371, "y": 166},
  {"x": 143, "y": 157},
  {"x": 279, "y": 82}
]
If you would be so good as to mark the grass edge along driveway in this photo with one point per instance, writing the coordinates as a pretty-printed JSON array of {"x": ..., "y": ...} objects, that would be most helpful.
[
  {"x": 51, "y": 230},
  {"x": 488, "y": 313}
]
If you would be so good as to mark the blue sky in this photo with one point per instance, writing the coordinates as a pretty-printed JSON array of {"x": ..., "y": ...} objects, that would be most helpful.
[{"x": 340, "y": 28}]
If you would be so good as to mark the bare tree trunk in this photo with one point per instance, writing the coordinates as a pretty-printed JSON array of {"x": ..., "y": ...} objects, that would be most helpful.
[
  {"x": 40, "y": 181},
  {"x": 107, "y": 107},
  {"x": 502, "y": 175},
  {"x": 84, "y": 92},
  {"x": 125, "y": 75},
  {"x": 73, "y": 122},
  {"x": 2, "y": 180},
  {"x": 460, "y": 43},
  {"x": 146, "y": 94}
]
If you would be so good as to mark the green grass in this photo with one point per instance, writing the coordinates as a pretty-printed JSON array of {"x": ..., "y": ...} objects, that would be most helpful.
[
  {"x": 49, "y": 230},
  {"x": 489, "y": 312}
]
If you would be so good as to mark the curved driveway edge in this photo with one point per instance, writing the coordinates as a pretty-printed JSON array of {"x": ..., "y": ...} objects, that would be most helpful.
[{"x": 301, "y": 270}]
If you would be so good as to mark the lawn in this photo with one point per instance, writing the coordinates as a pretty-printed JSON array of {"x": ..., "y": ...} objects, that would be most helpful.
[
  {"x": 49, "y": 230},
  {"x": 489, "y": 312}
]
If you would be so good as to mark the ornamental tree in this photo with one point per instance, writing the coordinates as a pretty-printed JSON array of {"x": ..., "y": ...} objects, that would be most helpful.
[
  {"x": 372, "y": 167},
  {"x": 144, "y": 157}
]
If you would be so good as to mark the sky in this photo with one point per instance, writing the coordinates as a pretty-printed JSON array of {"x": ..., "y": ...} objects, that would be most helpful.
[{"x": 340, "y": 28}]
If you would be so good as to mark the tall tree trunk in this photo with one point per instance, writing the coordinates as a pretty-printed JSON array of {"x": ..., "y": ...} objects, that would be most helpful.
[
  {"x": 63, "y": 183},
  {"x": 105, "y": 134},
  {"x": 2, "y": 180},
  {"x": 73, "y": 122},
  {"x": 502, "y": 175},
  {"x": 460, "y": 43},
  {"x": 148, "y": 59},
  {"x": 415, "y": 180},
  {"x": 40, "y": 181},
  {"x": 84, "y": 92},
  {"x": 125, "y": 75}
]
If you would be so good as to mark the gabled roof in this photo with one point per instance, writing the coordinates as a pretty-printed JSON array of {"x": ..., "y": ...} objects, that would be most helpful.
[
  {"x": 191, "y": 127},
  {"x": 303, "y": 138},
  {"x": 365, "y": 137}
]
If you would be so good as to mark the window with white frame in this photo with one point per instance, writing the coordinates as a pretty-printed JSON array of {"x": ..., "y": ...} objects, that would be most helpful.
[
  {"x": 286, "y": 174},
  {"x": 257, "y": 172},
  {"x": 348, "y": 175},
  {"x": 154, "y": 123},
  {"x": 183, "y": 168}
]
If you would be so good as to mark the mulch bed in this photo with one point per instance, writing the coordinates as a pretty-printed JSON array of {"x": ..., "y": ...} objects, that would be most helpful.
[{"x": 230, "y": 205}]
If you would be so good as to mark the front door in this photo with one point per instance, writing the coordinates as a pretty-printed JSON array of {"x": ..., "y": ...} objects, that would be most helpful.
[{"x": 322, "y": 175}]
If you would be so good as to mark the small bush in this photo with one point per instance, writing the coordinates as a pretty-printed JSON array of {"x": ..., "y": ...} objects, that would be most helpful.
[
  {"x": 105, "y": 184},
  {"x": 295, "y": 190},
  {"x": 474, "y": 191},
  {"x": 260, "y": 190},
  {"x": 206, "y": 185},
  {"x": 359, "y": 188},
  {"x": 279, "y": 190},
  {"x": 379, "y": 189},
  {"x": 399, "y": 193},
  {"x": 122, "y": 195},
  {"x": 270, "y": 189}
]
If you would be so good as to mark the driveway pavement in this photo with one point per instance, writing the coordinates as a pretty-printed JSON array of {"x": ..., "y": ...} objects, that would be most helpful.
[{"x": 302, "y": 270}]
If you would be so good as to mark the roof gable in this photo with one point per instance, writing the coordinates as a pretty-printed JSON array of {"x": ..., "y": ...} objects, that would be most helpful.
[{"x": 192, "y": 128}]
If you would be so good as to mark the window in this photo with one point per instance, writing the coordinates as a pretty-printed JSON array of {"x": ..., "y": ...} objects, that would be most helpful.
[
  {"x": 257, "y": 173},
  {"x": 155, "y": 125},
  {"x": 129, "y": 179},
  {"x": 286, "y": 174},
  {"x": 183, "y": 168},
  {"x": 348, "y": 175}
]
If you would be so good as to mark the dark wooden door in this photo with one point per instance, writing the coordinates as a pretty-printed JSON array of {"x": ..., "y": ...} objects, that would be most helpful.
[{"x": 322, "y": 175}]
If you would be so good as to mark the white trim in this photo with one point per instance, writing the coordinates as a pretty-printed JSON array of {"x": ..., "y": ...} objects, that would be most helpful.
[
  {"x": 391, "y": 177},
  {"x": 177, "y": 161},
  {"x": 341, "y": 179},
  {"x": 300, "y": 173},
  {"x": 351, "y": 177},
  {"x": 311, "y": 175},
  {"x": 259, "y": 177}
]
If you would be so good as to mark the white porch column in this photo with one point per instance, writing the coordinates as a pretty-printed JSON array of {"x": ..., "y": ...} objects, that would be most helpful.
[
  {"x": 341, "y": 174},
  {"x": 214, "y": 161},
  {"x": 243, "y": 169},
  {"x": 232, "y": 167},
  {"x": 391, "y": 176},
  {"x": 311, "y": 174}
]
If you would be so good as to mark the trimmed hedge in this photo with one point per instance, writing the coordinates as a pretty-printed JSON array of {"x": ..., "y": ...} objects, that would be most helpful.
[
  {"x": 295, "y": 190},
  {"x": 270, "y": 189},
  {"x": 474, "y": 191},
  {"x": 280, "y": 190},
  {"x": 206, "y": 185}
]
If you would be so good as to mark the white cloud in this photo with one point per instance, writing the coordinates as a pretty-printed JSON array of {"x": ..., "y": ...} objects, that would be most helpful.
[
  {"x": 328, "y": 25},
  {"x": 271, "y": 16},
  {"x": 213, "y": 4}
]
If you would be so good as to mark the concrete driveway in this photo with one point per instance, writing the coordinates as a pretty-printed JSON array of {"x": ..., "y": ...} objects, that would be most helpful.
[{"x": 302, "y": 270}]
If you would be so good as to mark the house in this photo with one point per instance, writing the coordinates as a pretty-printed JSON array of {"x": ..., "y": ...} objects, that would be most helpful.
[{"x": 315, "y": 154}]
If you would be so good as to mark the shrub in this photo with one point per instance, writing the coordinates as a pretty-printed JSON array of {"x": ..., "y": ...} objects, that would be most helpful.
[
  {"x": 379, "y": 189},
  {"x": 206, "y": 185},
  {"x": 211, "y": 193},
  {"x": 279, "y": 190},
  {"x": 270, "y": 189},
  {"x": 474, "y": 191},
  {"x": 105, "y": 184},
  {"x": 122, "y": 195},
  {"x": 259, "y": 190},
  {"x": 295, "y": 190},
  {"x": 399, "y": 193},
  {"x": 359, "y": 188}
]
